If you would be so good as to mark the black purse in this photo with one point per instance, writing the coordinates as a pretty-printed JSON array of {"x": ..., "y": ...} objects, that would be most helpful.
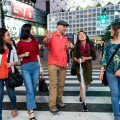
[
  {"x": 73, "y": 68},
  {"x": 42, "y": 86},
  {"x": 104, "y": 81},
  {"x": 14, "y": 79}
]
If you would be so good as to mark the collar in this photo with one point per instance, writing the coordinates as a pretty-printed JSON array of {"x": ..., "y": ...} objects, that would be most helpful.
[{"x": 56, "y": 34}]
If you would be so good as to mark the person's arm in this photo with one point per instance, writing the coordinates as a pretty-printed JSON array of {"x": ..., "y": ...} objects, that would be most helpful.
[
  {"x": 15, "y": 58},
  {"x": 77, "y": 60},
  {"x": 41, "y": 69},
  {"x": 69, "y": 45},
  {"x": 86, "y": 58},
  {"x": 101, "y": 73},
  {"x": 26, "y": 54}
]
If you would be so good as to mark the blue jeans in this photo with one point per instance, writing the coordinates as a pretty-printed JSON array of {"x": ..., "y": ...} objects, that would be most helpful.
[
  {"x": 114, "y": 84},
  {"x": 30, "y": 73},
  {"x": 11, "y": 94}
]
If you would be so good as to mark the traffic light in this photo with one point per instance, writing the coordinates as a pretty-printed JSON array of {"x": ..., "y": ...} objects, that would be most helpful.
[{"x": 103, "y": 19}]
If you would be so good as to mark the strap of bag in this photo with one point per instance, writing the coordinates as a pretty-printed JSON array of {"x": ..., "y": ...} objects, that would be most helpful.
[
  {"x": 9, "y": 56},
  {"x": 113, "y": 55},
  {"x": 41, "y": 75}
]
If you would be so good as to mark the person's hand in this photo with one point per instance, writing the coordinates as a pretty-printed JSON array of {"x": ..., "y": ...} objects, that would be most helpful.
[
  {"x": 48, "y": 34},
  {"x": 9, "y": 65},
  {"x": 41, "y": 70},
  {"x": 26, "y": 54},
  {"x": 101, "y": 76},
  {"x": 79, "y": 60},
  {"x": 84, "y": 59},
  {"x": 117, "y": 73},
  {"x": 71, "y": 45}
]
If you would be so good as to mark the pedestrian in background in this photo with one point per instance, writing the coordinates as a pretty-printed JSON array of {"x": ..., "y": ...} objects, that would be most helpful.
[
  {"x": 84, "y": 51},
  {"x": 113, "y": 69},
  {"x": 28, "y": 51},
  {"x": 5, "y": 46},
  {"x": 57, "y": 63}
]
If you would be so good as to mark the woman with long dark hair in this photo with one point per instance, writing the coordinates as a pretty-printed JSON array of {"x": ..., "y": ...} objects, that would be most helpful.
[
  {"x": 113, "y": 69},
  {"x": 84, "y": 52},
  {"x": 5, "y": 67},
  {"x": 28, "y": 51}
]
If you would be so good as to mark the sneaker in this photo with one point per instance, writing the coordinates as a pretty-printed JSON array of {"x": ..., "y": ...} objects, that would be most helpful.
[
  {"x": 85, "y": 107},
  {"x": 60, "y": 103},
  {"x": 80, "y": 99},
  {"x": 53, "y": 109}
]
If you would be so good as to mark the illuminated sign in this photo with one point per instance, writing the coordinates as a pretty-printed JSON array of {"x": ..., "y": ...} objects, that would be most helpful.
[{"x": 21, "y": 10}]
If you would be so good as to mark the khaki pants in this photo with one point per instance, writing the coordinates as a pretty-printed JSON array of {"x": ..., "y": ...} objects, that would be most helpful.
[{"x": 57, "y": 77}]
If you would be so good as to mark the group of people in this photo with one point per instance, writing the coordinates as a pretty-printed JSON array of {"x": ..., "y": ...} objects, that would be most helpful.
[
  {"x": 83, "y": 53},
  {"x": 28, "y": 51}
]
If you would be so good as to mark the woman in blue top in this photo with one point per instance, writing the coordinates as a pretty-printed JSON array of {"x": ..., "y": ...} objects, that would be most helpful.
[{"x": 113, "y": 70}]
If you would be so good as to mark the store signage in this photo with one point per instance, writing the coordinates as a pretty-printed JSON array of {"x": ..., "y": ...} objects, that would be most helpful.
[{"x": 21, "y": 10}]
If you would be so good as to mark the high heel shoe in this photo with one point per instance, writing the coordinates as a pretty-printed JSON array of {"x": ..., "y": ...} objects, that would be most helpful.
[{"x": 33, "y": 118}]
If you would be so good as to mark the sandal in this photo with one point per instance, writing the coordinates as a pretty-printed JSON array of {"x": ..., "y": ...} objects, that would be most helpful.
[
  {"x": 33, "y": 118},
  {"x": 14, "y": 113}
]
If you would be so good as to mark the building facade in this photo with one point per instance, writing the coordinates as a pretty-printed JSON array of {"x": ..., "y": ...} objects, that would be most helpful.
[
  {"x": 18, "y": 13},
  {"x": 87, "y": 20}
]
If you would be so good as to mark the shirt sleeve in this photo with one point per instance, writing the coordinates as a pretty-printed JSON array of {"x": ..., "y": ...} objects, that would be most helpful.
[
  {"x": 15, "y": 57},
  {"x": 104, "y": 61},
  {"x": 19, "y": 49},
  {"x": 37, "y": 49}
]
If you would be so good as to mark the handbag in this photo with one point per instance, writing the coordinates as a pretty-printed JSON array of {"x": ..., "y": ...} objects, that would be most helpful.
[
  {"x": 14, "y": 79},
  {"x": 73, "y": 68},
  {"x": 42, "y": 86},
  {"x": 104, "y": 81}
]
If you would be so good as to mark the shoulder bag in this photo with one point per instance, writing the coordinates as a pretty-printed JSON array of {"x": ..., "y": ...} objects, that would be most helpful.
[{"x": 14, "y": 79}]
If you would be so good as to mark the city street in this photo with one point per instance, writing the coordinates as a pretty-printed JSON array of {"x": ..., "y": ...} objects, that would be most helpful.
[{"x": 98, "y": 100}]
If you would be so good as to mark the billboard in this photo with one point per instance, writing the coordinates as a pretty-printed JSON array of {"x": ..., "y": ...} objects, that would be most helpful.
[{"x": 21, "y": 10}]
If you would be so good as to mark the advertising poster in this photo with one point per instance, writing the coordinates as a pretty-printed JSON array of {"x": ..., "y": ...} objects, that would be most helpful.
[
  {"x": 13, "y": 26},
  {"x": 35, "y": 30},
  {"x": 41, "y": 31},
  {"x": 21, "y": 10}
]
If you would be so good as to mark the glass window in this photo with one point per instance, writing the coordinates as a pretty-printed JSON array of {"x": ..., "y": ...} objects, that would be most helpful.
[
  {"x": 94, "y": 14},
  {"x": 98, "y": 9},
  {"x": 117, "y": 7},
  {"x": 94, "y": 32},
  {"x": 81, "y": 11}
]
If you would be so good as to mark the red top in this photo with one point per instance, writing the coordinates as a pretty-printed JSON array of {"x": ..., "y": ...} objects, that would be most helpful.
[
  {"x": 3, "y": 66},
  {"x": 57, "y": 50},
  {"x": 31, "y": 47}
]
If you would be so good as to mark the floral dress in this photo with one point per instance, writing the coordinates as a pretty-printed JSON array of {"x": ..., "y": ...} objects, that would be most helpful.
[{"x": 108, "y": 51}]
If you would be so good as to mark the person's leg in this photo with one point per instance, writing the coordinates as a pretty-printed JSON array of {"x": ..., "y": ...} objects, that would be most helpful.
[
  {"x": 30, "y": 97},
  {"x": 114, "y": 89},
  {"x": 35, "y": 76},
  {"x": 52, "y": 73},
  {"x": 11, "y": 94},
  {"x": 61, "y": 83},
  {"x": 27, "y": 76},
  {"x": 1, "y": 96}
]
